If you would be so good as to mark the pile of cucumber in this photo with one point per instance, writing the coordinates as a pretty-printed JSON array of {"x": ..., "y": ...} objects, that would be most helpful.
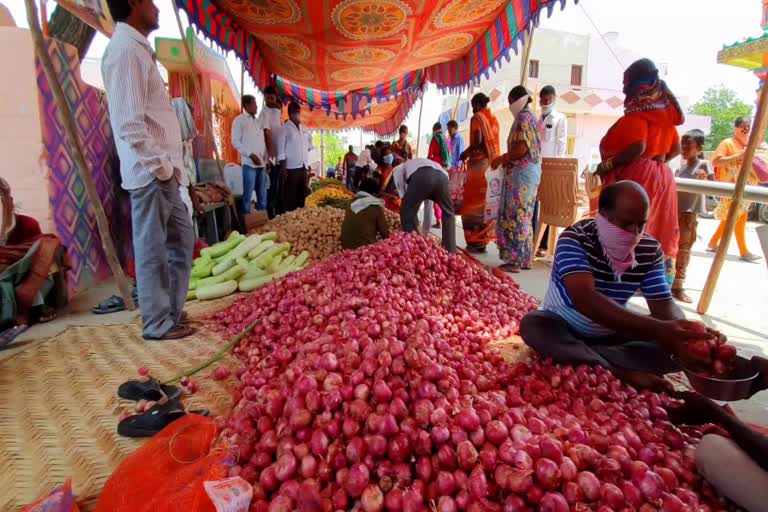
[{"x": 242, "y": 263}]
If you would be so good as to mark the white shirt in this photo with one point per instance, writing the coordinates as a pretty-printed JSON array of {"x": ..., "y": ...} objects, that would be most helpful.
[
  {"x": 294, "y": 145},
  {"x": 248, "y": 139},
  {"x": 365, "y": 159},
  {"x": 402, "y": 173},
  {"x": 554, "y": 134},
  {"x": 146, "y": 130},
  {"x": 272, "y": 120}
]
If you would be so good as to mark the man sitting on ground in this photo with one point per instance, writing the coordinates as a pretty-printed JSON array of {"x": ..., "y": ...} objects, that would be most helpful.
[{"x": 599, "y": 265}]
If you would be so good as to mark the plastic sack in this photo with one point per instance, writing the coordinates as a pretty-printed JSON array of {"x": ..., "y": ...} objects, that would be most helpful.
[
  {"x": 168, "y": 472},
  {"x": 60, "y": 499},
  {"x": 230, "y": 495},
  {"x": 495, "y": 181},
  {"x": 457, "y": 178}
]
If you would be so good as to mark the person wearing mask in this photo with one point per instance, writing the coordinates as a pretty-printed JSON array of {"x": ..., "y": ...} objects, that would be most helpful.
[
  {"x": 440, "y": 153},
  {"x": 248, "y": 139},
  {"x": 456, "y": 143},
  {"x": 640, "y": 144},
  {"x": 727, "y": 161},
  {"x": 418, "y": 180},
  {"x": 522, "y": 174},
  {"x": 293, "y": 149},
  {"x": 599, "y": 264},
  {"x": 401, "y": 147},
  {"x": 483, "y": 149},
  {"x": 737, "y": 465},
  {"x": 553, "y": 127},
  {"x": 272, "y": 122},
  {"x": 388, "y": 189},
  {"x": 149, "y": 145},
  {"x": 689, "y": 206},
  {"x": 364, "y": 221},
  {"x": 350, "y": 161},
  {"x": 363, "y": 166}
]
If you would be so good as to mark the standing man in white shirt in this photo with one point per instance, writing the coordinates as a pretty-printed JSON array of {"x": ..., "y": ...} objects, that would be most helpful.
[
  {"x": 553, "y": 127},
  {"x": 418, "y": 180},
  {"x": 293, "y": 149},
  {"x": 271, "y": 117},
  {"x": 363, "y": 166},
  {"x": 148, "y": 142},
  {"x": 248, "y": 139}
]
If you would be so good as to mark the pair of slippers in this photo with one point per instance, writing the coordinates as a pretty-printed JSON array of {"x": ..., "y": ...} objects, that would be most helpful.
[
  {"x": 114, "y": 304},
  {"x": 168, "y": 409}
]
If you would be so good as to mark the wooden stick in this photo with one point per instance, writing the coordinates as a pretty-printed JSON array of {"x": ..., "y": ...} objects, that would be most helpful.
[
  {"x": 242, "y": 79},
  {"x": 199, "y": 93},
  {"x": 418, "y": 130},
  {"x": 67, "y": 121},
  {"x": 733, "y": 212},
  {"x": 526, "y": 58}
]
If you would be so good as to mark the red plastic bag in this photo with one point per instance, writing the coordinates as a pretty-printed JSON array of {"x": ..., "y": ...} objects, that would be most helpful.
[
  {"x": 167, "y": 473},
  {"x": 60, "y": 499}
]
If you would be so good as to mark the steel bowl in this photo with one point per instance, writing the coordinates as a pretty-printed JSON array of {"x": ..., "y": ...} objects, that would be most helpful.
[{"x": 737, "y": 387}]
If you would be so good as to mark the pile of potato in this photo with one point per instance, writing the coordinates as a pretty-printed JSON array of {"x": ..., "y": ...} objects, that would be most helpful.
[{"x": 316, "y": 230}]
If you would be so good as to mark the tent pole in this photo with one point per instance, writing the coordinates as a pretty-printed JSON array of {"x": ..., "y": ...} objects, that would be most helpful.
[
  {"x": 199, "y": 93},
  {"x": 722, "y": 250},
  {"x": 526, "y": 58},
  {"x": 242, "y": 79},
  {"x": 418, "y": 129},
  {"x": 65, "y": 114},
  {"x": 322, "y": 152}
]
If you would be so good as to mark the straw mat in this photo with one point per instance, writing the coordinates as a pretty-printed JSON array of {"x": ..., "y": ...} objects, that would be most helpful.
[{"x": 59, "y": 408}]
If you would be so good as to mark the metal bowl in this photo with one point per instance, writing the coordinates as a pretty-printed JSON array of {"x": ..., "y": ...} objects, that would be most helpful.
[{"x": 738, "y": 387}]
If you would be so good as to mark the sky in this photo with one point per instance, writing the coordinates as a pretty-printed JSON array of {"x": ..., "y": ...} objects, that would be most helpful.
[{"x": 684, "y": 34}]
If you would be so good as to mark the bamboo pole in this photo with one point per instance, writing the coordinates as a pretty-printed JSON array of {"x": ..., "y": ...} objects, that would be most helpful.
[
  {"x": 322, "y": 152},
  {"x": 199, "y": 93},
  {"x": 242, "y": 79},
  {"x": 526, "y": 58},
  {"x": 418, "y": 129},
  {"x": 65, "y": 114},
  {"x": 722, "y": 250}
]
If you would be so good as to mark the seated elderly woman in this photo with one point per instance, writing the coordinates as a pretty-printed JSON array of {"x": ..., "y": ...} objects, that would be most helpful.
[{"x": 32, "y": 270}]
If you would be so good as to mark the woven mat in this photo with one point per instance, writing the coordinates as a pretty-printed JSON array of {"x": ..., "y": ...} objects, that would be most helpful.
[{"x": 59, "y": 408}]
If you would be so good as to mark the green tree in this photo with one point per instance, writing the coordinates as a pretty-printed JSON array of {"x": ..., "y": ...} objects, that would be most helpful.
[
  {"x": 335, "y": 147},
  {"x": 723, "y": 106}
]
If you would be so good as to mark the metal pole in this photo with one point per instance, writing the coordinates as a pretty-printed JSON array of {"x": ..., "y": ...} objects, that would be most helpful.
[
  {"x": 526, "y": 58},
  {"x": 83, "y": 169},
  {"x": 199, "y": 93},
  {"x": 322, "y": 152},
  {"x": 722, "y": 250},
  {"x": 242, "y": 79}
]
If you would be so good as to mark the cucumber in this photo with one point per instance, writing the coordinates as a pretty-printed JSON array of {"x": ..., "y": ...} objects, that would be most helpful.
[
  {"x": 224, "y": 247},
  {"x": 233, "y": 273},
  {"x": 223, "y": 266},
  {"x": 243, "y": 262},
  {"x": 271, "y": 235},
  {"x": 263, "y": 246},
  {"x": 191, "y": 295},
  {"x": 203, "y": 270},
  {"x": 301, "y": 259},
  {"x": 201, "y": 261},
  {"x": 248, "y": 285},
  {"x": 288, "y": 261},
  {"x": 217, "y": 291},
  {"x": 238, "y": 252},
  {"x": 235, "y": 233},
  {"x": 192, "y": 284},
  {"x": 264, "y": 259}
]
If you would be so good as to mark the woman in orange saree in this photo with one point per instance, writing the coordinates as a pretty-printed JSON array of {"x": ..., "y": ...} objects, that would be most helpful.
[
  {"x": 389, "y": 160},
  {"x": 483, "y": 148},
  {"x": 639, "y": 145}
]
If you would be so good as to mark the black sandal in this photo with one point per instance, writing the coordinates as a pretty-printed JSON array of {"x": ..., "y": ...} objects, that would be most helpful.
[
  {"x": 114, "y": 304},
  {"x": 154, "y": 420},
  {"x": 150, "y": 390}
]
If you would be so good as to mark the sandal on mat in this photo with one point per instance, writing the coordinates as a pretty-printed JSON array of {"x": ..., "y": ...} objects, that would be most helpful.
[
  {"x": 150, "y": 390},
  {"x": 154, "y": 420},
  {"x": 110, "y": 305}
]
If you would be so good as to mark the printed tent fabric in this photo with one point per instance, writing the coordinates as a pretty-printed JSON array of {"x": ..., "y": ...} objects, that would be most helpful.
[{"x": 326, "y": 49}]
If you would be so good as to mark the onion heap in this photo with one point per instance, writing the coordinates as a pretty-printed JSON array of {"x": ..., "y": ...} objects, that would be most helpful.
[
  {"x": 716, "y": 355},
  {"x": 370, "y": 385},
  {"x": 316, "y": 230}
]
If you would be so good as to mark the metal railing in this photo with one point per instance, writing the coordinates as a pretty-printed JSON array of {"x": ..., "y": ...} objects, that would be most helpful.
[{"x": 718, "y": 189}]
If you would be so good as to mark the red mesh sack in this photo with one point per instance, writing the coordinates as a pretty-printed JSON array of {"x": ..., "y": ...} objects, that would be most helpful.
[{"x": 167, "y": 473}]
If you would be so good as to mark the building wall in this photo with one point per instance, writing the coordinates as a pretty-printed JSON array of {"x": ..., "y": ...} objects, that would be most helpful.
[{"x": 20, "y": 131}]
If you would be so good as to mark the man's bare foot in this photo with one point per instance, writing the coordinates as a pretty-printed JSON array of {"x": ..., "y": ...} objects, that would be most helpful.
[
  {"x": 680, "y": 295},
  {"x": 642, "y": 380}
]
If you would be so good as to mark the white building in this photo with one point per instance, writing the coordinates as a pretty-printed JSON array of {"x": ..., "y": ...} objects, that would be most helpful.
[{"x": 587, "y": 72}]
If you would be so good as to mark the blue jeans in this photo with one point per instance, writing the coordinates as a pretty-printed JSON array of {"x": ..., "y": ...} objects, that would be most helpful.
[{"x": 254, "y": 179}]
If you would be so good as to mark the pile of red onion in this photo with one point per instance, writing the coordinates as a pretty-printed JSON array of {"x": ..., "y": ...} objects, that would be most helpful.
[{"x": 371, "y": 385}]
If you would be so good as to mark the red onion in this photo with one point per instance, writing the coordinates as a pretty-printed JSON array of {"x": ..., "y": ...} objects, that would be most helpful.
[
  {"x": 477, "y": 484},
  {"x": 589, "y": 484},
  {"x": 285, "y": 467},
  {"x": 496, "y": 432},
  {"x": 468, "y": 419},
  {"x": 551, "y": 448},
  {"x": 553, "y": 502},
  {"x": 652, "y": 485},
  {"x": 515, "y": 504},
  {"x": 356, "y": 480},
  {"x": 582, "y": 455},
  {"x": 446, "y": 485},
  {"x": 446, "y": 504},
  {"x": 547, "y": 473},
  {"x": 393, "y": 501},
  {"x": 568, "y": 469},
  {"x": 466, "y": 454},
  {"x": 372, "y": 499},
  {"x": 611, "y": 496}
]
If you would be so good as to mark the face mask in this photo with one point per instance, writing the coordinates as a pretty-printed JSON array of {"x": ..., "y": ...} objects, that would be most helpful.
[
  {"x": 547, "y": 109},
  {"x": 618, "y": 245},
  {"x": 518, "y": 105},
  {"x": 388, "y": 159}
]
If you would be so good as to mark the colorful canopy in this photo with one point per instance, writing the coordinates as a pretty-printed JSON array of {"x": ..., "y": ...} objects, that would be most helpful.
[
  {"x": 325, "y": 50},
  {"x": 751, "y": 53}
]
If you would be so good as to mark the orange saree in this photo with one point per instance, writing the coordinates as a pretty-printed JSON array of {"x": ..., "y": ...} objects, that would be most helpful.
[{"x": 477, "y": 232}]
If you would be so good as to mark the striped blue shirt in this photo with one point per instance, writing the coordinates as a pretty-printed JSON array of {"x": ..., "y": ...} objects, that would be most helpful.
[{"x": 579, "y": 250}]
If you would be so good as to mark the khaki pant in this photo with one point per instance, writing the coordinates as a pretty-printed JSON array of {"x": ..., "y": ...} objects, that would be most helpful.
[{"x": 688, "y": 222}]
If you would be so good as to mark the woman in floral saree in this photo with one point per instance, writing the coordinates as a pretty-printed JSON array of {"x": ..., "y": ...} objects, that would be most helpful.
[
  {"x": 483, "y": 149},
  {"x": 522, "y": 174}
]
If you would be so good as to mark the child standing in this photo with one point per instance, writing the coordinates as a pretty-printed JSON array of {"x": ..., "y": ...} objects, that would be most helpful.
[{"x": 689, "y": 205}]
